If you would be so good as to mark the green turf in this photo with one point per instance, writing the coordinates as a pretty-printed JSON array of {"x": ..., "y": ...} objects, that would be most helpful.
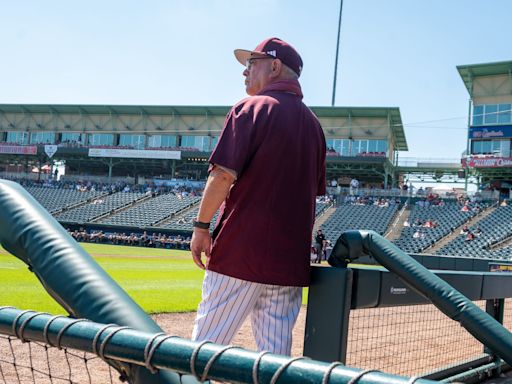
[{"x": 159, "y": 280}]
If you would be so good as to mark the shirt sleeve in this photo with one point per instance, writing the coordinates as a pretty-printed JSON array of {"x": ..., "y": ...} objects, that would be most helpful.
[
  {"x": 228, "y": 170},
  {"x": 234, "y": 146}
]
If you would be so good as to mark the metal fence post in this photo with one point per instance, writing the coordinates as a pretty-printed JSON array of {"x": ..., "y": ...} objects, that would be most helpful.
[{"x": 329, "y": 300}]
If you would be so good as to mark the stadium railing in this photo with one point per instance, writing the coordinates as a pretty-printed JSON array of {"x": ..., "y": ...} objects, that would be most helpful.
[
  {"x": 162, "y": 352},
  {"x": 387, "y": 318}
]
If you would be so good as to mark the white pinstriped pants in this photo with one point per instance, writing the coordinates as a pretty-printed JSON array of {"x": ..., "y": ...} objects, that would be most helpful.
[{"x": 227, "y": 301}]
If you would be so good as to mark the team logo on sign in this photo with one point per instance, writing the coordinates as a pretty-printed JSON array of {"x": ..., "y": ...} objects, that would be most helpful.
[{"x": 50, "y": 150}]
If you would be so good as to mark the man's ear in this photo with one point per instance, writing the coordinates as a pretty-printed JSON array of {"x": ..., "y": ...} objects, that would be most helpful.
[{"x": 276, "y": 68}]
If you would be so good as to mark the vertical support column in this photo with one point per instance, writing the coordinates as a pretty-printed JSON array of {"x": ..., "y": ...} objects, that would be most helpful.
[
  {"x": 328, "y": 312},
  {"x": 495, "y": 308},
  {"x": 110, "y": 166},
  {"x": 468, "y": 148},
  {"x": 173, "y": 168}
]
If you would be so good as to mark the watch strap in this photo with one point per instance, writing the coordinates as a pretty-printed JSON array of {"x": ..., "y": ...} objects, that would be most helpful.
[{"x": 200, "y": 224}]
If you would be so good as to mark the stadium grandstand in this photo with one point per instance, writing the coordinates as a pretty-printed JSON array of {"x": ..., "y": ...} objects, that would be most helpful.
[
  {"x": 128, "y": 170},
  {"x": 134, "y": 175}
]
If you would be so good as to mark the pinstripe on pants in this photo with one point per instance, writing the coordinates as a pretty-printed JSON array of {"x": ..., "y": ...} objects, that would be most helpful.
[{"x": 227, "y": 302}]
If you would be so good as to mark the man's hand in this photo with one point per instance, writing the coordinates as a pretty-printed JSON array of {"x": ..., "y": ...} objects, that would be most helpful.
[{"x": 201, "y": 242}]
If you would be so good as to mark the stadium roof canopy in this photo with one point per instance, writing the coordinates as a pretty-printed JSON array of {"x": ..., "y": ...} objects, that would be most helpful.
[
  {"x": 114, "y": 109},
  {"x": 392, "y": 114},
  {"x": 470, "y": 71}
]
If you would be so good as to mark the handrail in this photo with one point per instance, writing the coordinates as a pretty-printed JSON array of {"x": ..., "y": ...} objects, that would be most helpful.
[{"x": 232, "y": 364}]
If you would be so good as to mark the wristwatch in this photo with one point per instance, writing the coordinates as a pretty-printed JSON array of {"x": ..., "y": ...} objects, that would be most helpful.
[{"x": 200, "y": 224}]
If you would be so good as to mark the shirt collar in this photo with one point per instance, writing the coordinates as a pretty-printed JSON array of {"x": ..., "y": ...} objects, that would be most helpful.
[{"x": 291, "y": 86}]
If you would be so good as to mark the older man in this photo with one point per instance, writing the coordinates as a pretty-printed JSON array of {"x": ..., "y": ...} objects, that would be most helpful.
[{"x": 267, "y": 169}]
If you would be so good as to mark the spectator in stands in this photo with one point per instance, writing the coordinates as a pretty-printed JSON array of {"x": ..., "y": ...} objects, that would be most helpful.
[
  {"x": 404, "y": 189},
  {"x": 406, "y": 223},
  {"x": 465, "y": 207},
  {"x": 262, "y": 229},
  {"x": 313, "y": 254},
  {"x": 430, "y": 224},
  {"x": 417, "y": 223},
  {"x": 144, "y": 239},
  {"x": 354, "y": 186},
  {"x": 418, "y": 234},
  {"x": 470, "y": 236},
  {"x": 319, "y": 245},
  {"x": 327, "y": 249},
  {"x": 464, "y": 230},
  {"x": 478, "y": 232}
]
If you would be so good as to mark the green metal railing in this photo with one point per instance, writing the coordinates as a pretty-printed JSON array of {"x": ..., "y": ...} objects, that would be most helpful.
[{"x": 201, "y": 359}]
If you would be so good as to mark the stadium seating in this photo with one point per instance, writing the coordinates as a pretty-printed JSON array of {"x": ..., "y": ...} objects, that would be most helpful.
[
  {"x": 184, "y": 222},
  {"x": 136, "y": 209},
  {"x": 447, "y": 218},
  {"x": 494, "y": 228},
  {"x": 98, "y": 207},
  {"x": 150, "y": 212},
  {"x": 351, "y": 216},
  {"x": 320, "y": 208},
  {"x": 54, "y": 200}
]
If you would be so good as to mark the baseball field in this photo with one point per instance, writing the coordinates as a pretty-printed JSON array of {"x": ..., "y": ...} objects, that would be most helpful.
[{"x": 159, "y": 280}]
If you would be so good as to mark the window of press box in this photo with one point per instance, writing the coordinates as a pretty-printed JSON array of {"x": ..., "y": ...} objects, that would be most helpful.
[{"x": 490, "y": 114}]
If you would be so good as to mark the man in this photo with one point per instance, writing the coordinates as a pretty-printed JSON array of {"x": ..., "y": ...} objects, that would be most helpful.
[
  {"x": 354, "y": 186},
  {"x": 258, "y": 259},
  {"x": 319, "y": 245}
]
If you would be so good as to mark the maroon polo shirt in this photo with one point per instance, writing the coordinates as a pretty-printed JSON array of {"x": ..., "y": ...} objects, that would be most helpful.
[{"x": 277, "y": 148}]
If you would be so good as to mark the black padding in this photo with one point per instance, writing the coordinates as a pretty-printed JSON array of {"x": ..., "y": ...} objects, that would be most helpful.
[
  {"x": 68, "y": 273},
  {"x": 327, "y": 316}
]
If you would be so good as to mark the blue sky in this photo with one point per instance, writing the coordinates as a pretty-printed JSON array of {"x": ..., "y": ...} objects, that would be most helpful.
[{"x": 396, "y": 53}]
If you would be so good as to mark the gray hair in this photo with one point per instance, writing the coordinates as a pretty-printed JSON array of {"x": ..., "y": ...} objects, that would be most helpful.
[{"x": 289, "y": 73}]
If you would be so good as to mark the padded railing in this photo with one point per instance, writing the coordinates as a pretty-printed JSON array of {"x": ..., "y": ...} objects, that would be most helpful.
[{"x": 354, "y": 244}]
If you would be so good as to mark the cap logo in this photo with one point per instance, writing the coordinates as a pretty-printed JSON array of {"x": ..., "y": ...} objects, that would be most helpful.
[{"x": 272, "y": 53}]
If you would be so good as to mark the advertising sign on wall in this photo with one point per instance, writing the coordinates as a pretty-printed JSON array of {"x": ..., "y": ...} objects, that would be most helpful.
[
  {"x": 491, "y": 132},
  {"x": 19, "y": 150},
  {"x": 134, "y": 153},
  {"x": 487, "y": 162}
]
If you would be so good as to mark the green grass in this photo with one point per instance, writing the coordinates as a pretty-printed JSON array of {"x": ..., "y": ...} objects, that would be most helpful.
[{"x": 159, "y": 280}]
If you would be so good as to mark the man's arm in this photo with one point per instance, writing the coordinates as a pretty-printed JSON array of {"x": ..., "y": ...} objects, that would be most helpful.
[{"x": 215, "y": 192}]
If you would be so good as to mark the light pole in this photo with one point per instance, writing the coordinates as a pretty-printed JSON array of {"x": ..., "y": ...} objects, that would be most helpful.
[{"x": 336, "y": 59}]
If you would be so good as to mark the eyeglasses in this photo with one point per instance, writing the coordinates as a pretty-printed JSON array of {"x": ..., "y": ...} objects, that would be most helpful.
[{"x": 249, "y": 62}]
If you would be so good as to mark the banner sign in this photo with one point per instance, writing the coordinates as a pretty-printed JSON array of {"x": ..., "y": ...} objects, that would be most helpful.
[
  {"x": 19, "y": 150},
  {"x": 487, "y": 162},
  {"x": 500, "y": 267},
  {"x": 50, "y": 150},
  {"x": 134, "y": 153},
  {"x": 490, "y": 132}
]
